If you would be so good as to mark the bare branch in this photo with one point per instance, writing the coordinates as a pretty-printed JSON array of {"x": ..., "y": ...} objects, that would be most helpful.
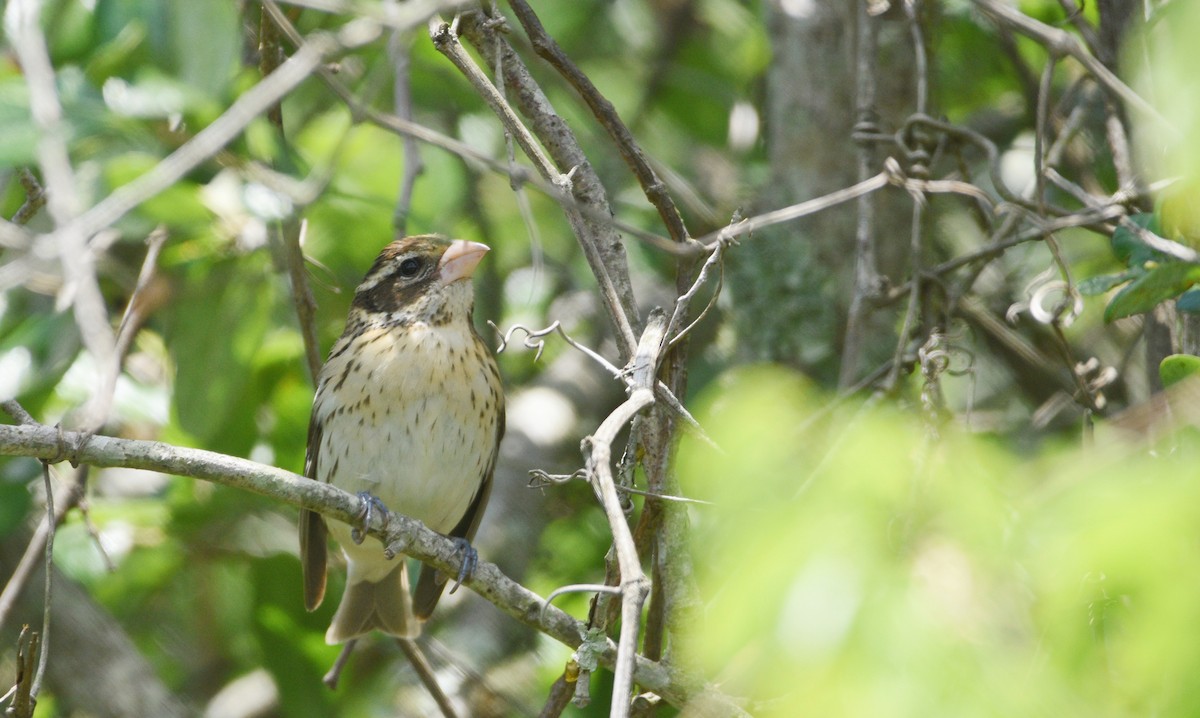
[
  {"x": 795, "y": 211},
  {"x": 37, "y": 548},
  {"x": 598, "y": 452},
  {"x": 539, "y": 479},
  {"x": 866, "y": 271},
  {"x": 614, "y": 282},
  {"x": 535, "y": 339},
  {"x": 1061, "y": 42},
  {"x": 395, "y": 16},
  {"x": 302, "y": 296},
  {"x": 398, "y": 52},
  {"x": 16, "y": 411},
  {"x": 225, "y": 128},
  {"x": 518, "y": 175},
  {"x": 582, "y": 588},
  {"x": 22, "y": 694},
  {"x": 716, "y": 259},
  {"x": 137, "y": 310},
  {"x": 51, "y": 525},
  {"x": 426, "y": 675},
  {"x": 654, "y": 188},
  {"x": 81, "y": 289},
  {"x": 404, "y": 534},
  {"x": 601, "y": 245}
]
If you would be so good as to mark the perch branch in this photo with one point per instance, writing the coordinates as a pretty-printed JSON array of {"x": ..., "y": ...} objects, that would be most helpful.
[{"x": 403, "y": 534}]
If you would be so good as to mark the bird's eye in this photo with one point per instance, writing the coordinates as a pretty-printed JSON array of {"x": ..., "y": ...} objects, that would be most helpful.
[{"x": 410, "y": 267}]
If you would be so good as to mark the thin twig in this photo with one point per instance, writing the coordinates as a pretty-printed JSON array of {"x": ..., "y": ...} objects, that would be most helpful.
[
  {"x": 1082, "y": 26},
  {"x": 137, "y": 310},
  {"x": 445, "y": 39},
  {"x": 1041, "y": 123},
  {"x": 914, "y": 298},
  {"x": 395, "y": 16},
  {"x": 225, "y": 128},
  {"x": 302, "y": 296},
  {"x": 918, "y": 155},
  {"x": 1094, "y": 218},
  {"x": 35, "y": 551},
  {"x": 16, "y": 411},
  {"x": 402, "y": 102},
  {"x": 683, "y": 301},
  {"x": 22, "y": 695},
  {"x": 560, "y": 694},
  {"x": 921, "y": 57},
  {"x": 48, "y": 564},
  {"x": 795, "y": 211},
  {"x": 519, "y": 194},
  {"x": 428, "y": 678},
  {"x": 535, "y": 339},
  {"x": 866, "y": 273},
  {"x": 621, "y": 309},
  {"x": 289, "y": 232},
  {"x": 1062, "y": 42},
  {"x": 518, "y": 175},
  {"x": 81, "y": 287},
  {"x": 598, "y": 453},
  {"x": 540, "y": 479},
  {"x": 653, "y": 187},
  {"x": 602, "y": 246},
  {"x": 581, "y": 588}
]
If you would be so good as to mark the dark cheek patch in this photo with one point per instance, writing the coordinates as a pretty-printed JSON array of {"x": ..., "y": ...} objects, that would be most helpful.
[{"x": 389, "y": 295}]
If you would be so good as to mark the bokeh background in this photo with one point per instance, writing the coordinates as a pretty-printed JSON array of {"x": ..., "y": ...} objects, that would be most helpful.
[{"x": 972, "y": 499}]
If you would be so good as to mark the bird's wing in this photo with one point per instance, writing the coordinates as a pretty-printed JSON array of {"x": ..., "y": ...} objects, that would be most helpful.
[{"x": 313, "y": 544}]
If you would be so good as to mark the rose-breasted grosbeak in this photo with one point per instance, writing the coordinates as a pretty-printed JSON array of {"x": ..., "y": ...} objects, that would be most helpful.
[{"x": 410, "y": 410}]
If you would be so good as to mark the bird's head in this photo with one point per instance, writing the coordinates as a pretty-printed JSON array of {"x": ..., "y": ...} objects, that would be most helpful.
[{"x": 426, "y": 278}]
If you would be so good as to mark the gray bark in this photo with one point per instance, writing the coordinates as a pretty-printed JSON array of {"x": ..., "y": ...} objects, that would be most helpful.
[{"x": 791, "y": 287}]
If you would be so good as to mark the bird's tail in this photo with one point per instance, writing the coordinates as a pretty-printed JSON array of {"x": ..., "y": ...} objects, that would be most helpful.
[{"x": 383, "y": 605}]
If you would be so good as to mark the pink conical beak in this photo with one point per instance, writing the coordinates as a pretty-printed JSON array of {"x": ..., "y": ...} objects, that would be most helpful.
[{"x": 460, "y": 259}]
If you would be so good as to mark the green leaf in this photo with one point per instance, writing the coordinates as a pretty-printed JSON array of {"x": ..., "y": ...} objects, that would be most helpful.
[
  {"x": 120, "y": 52},
  {"x": 294, "y": 651},
  {"x": 1161, "y": 283},
  {"x": 1178, "y": 367},
  {"x": 1130, "y": 249},
  {"x": 177, "y": 206},
  {"x": 220, "y": 321},
  {"x": 1093, "y": 286},
  {"x": 14, "y": 506},
  {"x": 18, "y": 136},
  {"x": 206, "y": 60},
  {"x": 1189, "y": 302}
]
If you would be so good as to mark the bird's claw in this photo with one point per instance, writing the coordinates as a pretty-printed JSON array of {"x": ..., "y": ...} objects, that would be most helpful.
[
  {"x": 470, "y": 558},
  {"x": 369, "y": 503}
]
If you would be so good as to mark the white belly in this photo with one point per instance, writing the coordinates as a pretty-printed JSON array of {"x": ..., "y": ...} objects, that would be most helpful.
[{"x": 405, "y": 425}]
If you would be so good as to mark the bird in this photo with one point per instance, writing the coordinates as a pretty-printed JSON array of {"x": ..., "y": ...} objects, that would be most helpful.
[{"x": 408, "y": 413}]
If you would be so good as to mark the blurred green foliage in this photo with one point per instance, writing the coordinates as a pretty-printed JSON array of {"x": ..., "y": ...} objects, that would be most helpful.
[
  {"x": 856, "y": 561},
  {"x": 861, "y": 564}
]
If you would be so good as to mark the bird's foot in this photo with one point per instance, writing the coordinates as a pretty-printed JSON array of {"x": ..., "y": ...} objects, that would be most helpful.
[
  {"x": 469, "y": 557},
  {"x": 370, "y": 503}
]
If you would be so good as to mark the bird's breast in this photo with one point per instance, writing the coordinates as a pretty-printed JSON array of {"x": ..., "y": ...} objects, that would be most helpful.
[{"x": 410, "y": 414}]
